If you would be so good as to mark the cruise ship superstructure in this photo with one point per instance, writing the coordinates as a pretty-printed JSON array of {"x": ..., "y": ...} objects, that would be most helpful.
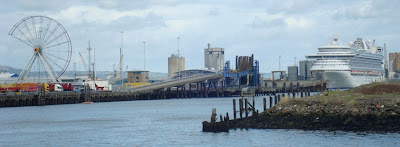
[{"x": 344, "y": 67}]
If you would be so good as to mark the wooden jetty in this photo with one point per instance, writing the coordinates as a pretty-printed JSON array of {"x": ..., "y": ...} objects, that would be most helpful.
[{"x": 246, "y": 108}]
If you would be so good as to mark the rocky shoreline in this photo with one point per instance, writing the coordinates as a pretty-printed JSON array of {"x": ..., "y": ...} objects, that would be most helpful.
[{"x": 374, "y": 107}]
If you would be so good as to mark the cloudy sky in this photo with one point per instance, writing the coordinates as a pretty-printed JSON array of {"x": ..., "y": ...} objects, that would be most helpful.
[{"x": 267, "y": 29}]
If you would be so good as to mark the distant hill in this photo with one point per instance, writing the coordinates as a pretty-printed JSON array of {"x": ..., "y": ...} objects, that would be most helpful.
[{"x": 9, "y": 69}]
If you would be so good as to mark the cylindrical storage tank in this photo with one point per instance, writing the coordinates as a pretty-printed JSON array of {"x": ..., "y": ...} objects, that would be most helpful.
[{"x": 175, "y": 64}]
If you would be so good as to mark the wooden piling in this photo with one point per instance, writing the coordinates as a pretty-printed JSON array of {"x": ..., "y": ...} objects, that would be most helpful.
[
  {"x": 234, "y": 109},
  {"x": 240, "y": 107},
  {"x": 246, "y": 107},
  {"x": 279, "y": 97},
  {"x": 216, "y": 88},
  {"x": 206, "y": 89},
  {"x": 184, "y": 89},
  {"x": 254, "y": 105},
  {"x": 270, "y": 101},
  {"x": 265, "y": 103},
  {"x": 197, "y": 89},
  {"x": 222, "y": 84},
  {"x": 213, "y": 115},
  {"x": 301, "y": 93},
  {"x": 177, "y": 92}
]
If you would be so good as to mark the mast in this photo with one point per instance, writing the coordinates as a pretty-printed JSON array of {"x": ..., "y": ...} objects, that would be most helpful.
[
  {"x": 89, "y": 67},
  {"x": 121, "y": 61},
  {"x": 75, "y": 69},
  {"x": 120, "y": 66},
  {"x": 178, "y": 67},
  {"x": 178, "y": 47},
  {"x": 94, "y": 63},
  {"x": 279, "y": 63},
  {"x": 385, "y": 60}
]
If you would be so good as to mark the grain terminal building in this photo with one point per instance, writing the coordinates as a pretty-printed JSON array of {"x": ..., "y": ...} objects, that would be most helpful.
[
  {"x": 176, "y": 63},
  {"x": 214, "y": 58}
]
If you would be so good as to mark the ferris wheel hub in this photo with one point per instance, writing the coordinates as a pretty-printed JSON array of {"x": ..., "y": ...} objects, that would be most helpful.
[{"x": 37, "y": 49}]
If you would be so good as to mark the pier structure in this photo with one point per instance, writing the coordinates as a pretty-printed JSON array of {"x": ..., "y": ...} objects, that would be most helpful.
[
  {"x": 202, "y": 86},
  {"x": 64, "y": 98},
  {"x": 186, "y": 84}
]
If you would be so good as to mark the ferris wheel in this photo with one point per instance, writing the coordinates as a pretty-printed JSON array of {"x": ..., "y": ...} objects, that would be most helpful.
[{"x": 49, "y": 43}]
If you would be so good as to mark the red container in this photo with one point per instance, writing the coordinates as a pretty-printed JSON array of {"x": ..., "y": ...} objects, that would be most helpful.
[
  {"x": 67, "y": 87},
  {"x": 51, "y": 87}
]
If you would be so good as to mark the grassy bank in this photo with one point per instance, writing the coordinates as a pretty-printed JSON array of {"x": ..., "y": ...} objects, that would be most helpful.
[{"x": 372, "y": 107}]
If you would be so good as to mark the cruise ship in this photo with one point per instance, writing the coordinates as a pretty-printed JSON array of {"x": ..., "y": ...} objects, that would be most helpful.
[{"x": 348, "y": 66}]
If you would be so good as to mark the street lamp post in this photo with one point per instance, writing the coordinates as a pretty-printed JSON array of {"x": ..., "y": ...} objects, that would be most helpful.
[
  {"x": 179, "y": 58},
  {"x": 144, "y": 56},
  {"x": 121, "y": 62}
]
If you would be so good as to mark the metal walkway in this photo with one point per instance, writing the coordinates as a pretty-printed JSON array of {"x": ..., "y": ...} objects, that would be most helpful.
[{"x": 175, "y": 82}]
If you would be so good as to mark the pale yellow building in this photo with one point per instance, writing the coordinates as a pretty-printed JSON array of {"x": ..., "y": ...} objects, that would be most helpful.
[{"x": 176, "y": 63}]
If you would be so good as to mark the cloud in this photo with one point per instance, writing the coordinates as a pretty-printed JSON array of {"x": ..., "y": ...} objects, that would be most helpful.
[
  {"x": 259, "y": 22},
  {"x": 292, "y": 6},
  {"x": 40, "y": 5},
  {"x": 297, "y": 22},
  {"x": 366, "y": 10},
  {"x": 3, "y": 49},
  {"x": 94, "y": 15},
  {"x": 213, "y": 12}
]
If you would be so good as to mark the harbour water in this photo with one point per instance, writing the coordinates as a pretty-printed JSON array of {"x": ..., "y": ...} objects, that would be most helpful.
[{"x": 173, "y": 122}]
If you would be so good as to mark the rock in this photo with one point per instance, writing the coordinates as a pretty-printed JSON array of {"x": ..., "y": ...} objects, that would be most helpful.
[
  {"x": 347, "y": 120},
  {"x": 290, "y": 124},
  {"x": 355, "y": 111}
]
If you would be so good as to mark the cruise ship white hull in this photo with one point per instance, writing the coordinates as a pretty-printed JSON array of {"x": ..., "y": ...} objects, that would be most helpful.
[{"x": 345, "y": 80}]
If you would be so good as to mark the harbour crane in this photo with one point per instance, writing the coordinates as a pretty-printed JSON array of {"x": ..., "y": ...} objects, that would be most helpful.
[
  {"x": 119, "y": 66},
  {"x": 86, "y": 68}
]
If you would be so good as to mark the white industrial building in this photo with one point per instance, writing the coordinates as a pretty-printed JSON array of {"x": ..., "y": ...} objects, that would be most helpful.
[{"x": 214, "y": 58}]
